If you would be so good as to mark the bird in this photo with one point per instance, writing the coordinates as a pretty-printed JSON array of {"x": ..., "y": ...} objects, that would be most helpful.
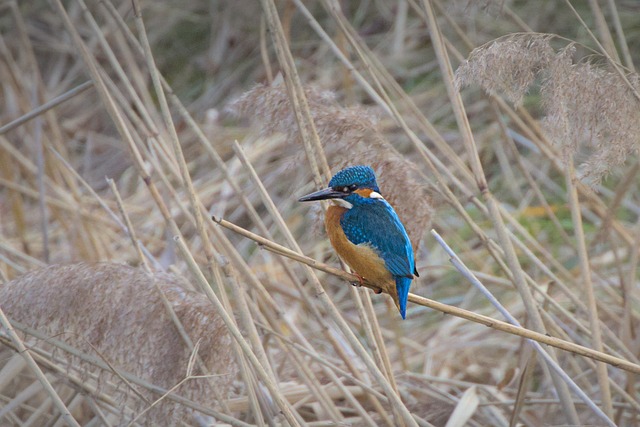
[{"x": 367, "y": 234}]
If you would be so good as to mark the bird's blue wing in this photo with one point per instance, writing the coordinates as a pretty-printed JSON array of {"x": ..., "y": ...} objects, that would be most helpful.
[{"x": 379, "y": 225}]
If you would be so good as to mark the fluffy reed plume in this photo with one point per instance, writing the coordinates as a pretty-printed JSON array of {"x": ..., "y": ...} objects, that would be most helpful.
[
  {"x": 349, "y": 136},
  {"x": 115, "y": 312},
  {"x": 585, "y": 103}
]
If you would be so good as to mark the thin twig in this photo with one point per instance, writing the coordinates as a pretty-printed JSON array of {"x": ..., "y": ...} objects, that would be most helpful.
[
  {"x": 444, "y": 308},
  {"x": 46, "y": 106}
]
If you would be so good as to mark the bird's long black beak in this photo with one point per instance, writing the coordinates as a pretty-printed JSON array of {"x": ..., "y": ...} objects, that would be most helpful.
[{"x": 327, "y": 193}]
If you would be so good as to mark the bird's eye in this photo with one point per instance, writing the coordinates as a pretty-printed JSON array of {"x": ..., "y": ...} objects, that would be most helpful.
[{"x": 352, "y": 187}]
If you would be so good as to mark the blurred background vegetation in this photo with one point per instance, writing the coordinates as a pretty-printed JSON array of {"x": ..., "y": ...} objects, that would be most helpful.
[{"x": 387, "y": 102}]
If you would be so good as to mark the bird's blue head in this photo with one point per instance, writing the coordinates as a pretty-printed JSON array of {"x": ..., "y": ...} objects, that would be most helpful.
[
  {"x": 355, "y": 184},
  {"x": 355, "y": 177}
]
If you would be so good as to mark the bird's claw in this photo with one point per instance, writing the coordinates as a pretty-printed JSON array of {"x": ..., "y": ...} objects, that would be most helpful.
[{"x": 360, "y": 281}]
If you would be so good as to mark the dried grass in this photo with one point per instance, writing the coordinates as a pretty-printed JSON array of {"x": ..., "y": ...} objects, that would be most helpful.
[
  {"x": 587, "y": 104},
  {"x": 310, "y": 345},
  {"x": 116, "y": 313}
]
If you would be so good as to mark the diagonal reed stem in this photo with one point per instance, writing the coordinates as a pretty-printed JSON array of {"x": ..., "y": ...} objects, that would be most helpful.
[
  {"x": 444, "y": 308},
  {"x": 551, "y": 362}
]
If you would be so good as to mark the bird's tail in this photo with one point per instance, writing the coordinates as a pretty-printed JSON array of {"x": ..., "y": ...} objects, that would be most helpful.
[{"x": 402, "y": 287}]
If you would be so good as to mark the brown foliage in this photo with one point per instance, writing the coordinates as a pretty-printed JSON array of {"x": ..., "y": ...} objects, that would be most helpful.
[{"x": 115, "y": 312}]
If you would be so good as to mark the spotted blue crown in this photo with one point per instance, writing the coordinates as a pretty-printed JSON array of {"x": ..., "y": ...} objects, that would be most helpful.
[{"x": 363, "y": 176}]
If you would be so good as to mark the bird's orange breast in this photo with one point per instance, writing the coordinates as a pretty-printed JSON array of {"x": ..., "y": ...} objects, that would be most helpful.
[{"x": 363, "y": 259}]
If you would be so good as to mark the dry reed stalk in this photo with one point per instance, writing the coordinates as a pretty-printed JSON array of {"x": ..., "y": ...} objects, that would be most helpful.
[
  {"x": 621, "y": 39},
  {"x": 273, "y": 303},
  {"x": 498, "y": 222},
  {"x": 306, "y": 125},
  {"x": 585, "y": 275},
  {"x": 465, "y": 314},
  {"x": 548, "y": 357},
  {"x": 96, "y": 308},
  {"x": 46, "y": 106},
  {"x": 604, "y": 116},
  {"x": 196, "y": 205},
  {"x": 128, "y": 135}
]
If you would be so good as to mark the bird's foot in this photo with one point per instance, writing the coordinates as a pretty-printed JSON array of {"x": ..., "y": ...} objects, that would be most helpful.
[{"x": 360, "y": 281}]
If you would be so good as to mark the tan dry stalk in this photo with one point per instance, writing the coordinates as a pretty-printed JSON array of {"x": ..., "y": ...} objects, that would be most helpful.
[
  {"x": 193, "y": 197},
  {"x": 621, "y": 39},
  {"x": 445, "y": 308},
  {"x": 120, "y": 72},
  {"x": 129, "y": 226},
  {"x": 585, "y": 276},
  {"x": 523, "y": 385},
  {"x": 496, "y": 217},
  {"x": 306, "y": 125},
  {"x": 52, "y": 103},
  {"x": 603, "y": 30},
  {"x": 222, "y": 165},
  {"x": 170, "y": 128},
  {"x": 127, "y": 136}
]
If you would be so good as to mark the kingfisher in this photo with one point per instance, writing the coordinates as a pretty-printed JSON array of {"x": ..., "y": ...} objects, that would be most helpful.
[{"x": 367, "y": 234}]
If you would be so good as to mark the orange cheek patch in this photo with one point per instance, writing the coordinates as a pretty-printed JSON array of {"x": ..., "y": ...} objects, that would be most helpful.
[{"x": 364, "y": 192}]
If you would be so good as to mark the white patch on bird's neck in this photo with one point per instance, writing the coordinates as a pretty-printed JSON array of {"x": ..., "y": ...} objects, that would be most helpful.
[
  {"x": 343, "y": 203},
  {"x": 375, "y": 195}
]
